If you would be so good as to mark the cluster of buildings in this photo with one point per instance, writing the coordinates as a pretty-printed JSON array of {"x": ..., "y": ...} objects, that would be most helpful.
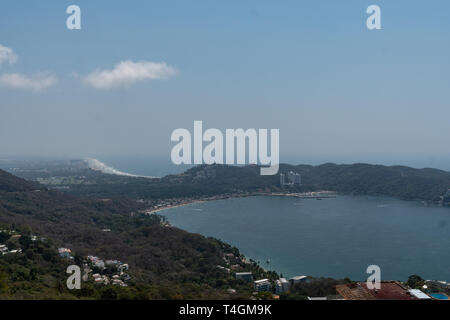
[
  {"x": 234, "y": 263},
  {"x": 102, "y": 264},
  {"x": 443, "y": 200},
  {"x": 65, "y": 253},
  {"x": 118, "y": 278},
  {"x": 290, "y": 179},
  {"x": 100, "y": 279},
  {"x": 437, "y": 284},
  {"x": 389, "y": 290},
  {"x": 4, "y": 250},
  {"x": 96, "y": 262},
  {"x": 260, "y": 285},
  {"x": 281, "y": 285},
  {"x": 12, "y": 235},
  {"x": 447, "y": 194},
  {"x": 446, "y": 198},
  {"x": 108, "y": 271}
]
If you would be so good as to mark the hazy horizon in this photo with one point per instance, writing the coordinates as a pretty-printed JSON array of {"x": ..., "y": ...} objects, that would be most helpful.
[
  {"x": 337, "y": 91},
  {"x": 160, "y": 166}
]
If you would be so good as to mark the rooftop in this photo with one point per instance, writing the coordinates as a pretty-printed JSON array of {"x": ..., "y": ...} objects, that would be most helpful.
[
  {"x": 261, "y": 281},
  {"x": 298, "y": 277},
  {"x": 353, "y": 292},
  {"x": 419, "y": 294},
  {"x": 389, "y": 290}
]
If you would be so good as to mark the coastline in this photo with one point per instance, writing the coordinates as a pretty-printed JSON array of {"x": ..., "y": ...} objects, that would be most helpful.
[
  {"x": 152, "y": 211},
  {"x": 186, "y": 202},
  {"x": 260, "y": 256}
]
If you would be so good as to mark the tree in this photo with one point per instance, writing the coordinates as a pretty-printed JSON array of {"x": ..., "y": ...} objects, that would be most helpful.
[
  {"x": 415, "y": 281},
  {"x": 3, "y": 282}
]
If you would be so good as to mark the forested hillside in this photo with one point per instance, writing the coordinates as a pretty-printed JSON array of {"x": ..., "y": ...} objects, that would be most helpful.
[
  {"x": 165, "y": 262},
  {"x": 358, "y": 179}
]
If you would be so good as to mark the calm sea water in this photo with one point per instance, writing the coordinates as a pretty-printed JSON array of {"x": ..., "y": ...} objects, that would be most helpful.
[{"x": 337, "y": 237}]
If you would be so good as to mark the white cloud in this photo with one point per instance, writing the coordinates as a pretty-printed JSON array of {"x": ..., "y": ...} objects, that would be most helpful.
[
  {"x": 37, "y": 82},
  {"x": 19, "y": 81},
  {"x": 7, "y": 55},
  {"x": 128, "y": 72}
]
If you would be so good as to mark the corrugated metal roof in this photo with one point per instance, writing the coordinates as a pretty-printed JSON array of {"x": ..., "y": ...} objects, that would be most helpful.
[{"x": 419, "y": 294}]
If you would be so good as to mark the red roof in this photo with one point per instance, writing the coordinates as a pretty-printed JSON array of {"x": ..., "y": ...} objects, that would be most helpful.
[{"x": 390, "y": 291}]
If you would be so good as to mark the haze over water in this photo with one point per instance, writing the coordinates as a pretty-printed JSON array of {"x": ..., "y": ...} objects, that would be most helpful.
[{"x": 336, "y": 238}]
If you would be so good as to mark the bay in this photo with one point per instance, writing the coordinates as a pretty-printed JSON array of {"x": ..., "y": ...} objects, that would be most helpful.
[{"x": 338, "y": 237}]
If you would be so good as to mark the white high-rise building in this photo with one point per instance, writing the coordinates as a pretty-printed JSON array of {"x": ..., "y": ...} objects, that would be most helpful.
[{"x": 290, "y": 179}]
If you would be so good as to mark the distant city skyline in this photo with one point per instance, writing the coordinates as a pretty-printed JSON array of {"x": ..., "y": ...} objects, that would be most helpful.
[{"x": 118, "y": 87}]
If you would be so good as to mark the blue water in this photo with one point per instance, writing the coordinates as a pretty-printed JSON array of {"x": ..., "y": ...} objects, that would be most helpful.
[
  {"x": 337, "y": 237},
  {"x": 439, "y": 296}
]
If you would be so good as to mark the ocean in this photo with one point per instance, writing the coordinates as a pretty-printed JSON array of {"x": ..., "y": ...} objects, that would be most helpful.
[{"x": 338, "y": 237}]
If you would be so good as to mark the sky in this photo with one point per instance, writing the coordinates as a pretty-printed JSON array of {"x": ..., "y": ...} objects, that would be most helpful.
[{"x": 137, "y": 70}]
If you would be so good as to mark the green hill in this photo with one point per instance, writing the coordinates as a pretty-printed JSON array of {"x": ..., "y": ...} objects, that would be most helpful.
[
  {"x": 357, "y": 179},
  {"x": 165, "y": 262}
]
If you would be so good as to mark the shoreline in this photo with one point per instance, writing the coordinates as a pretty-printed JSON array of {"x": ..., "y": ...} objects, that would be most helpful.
[
  {"x": 319, "y": 195},
  {"x": 175, "y": 206},
  {"x": 260, "y": 261},
  {"x": 305, "y": 195}
]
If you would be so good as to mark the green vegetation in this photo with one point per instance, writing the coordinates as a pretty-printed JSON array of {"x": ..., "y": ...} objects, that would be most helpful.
[
  {"x": 415, "y": 282},
  {"x": 97, "y": 214},
  {"x": 165, "y": 262},
  {"x": 314, "y": 287},
  {"x": 430, "y": 185}
]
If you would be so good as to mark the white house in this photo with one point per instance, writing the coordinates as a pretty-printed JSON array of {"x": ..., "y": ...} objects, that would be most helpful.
[{"x": 262, "y": 285}]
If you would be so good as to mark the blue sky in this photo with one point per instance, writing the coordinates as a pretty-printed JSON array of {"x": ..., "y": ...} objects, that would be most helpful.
[{"x": 337, "y": 91}]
